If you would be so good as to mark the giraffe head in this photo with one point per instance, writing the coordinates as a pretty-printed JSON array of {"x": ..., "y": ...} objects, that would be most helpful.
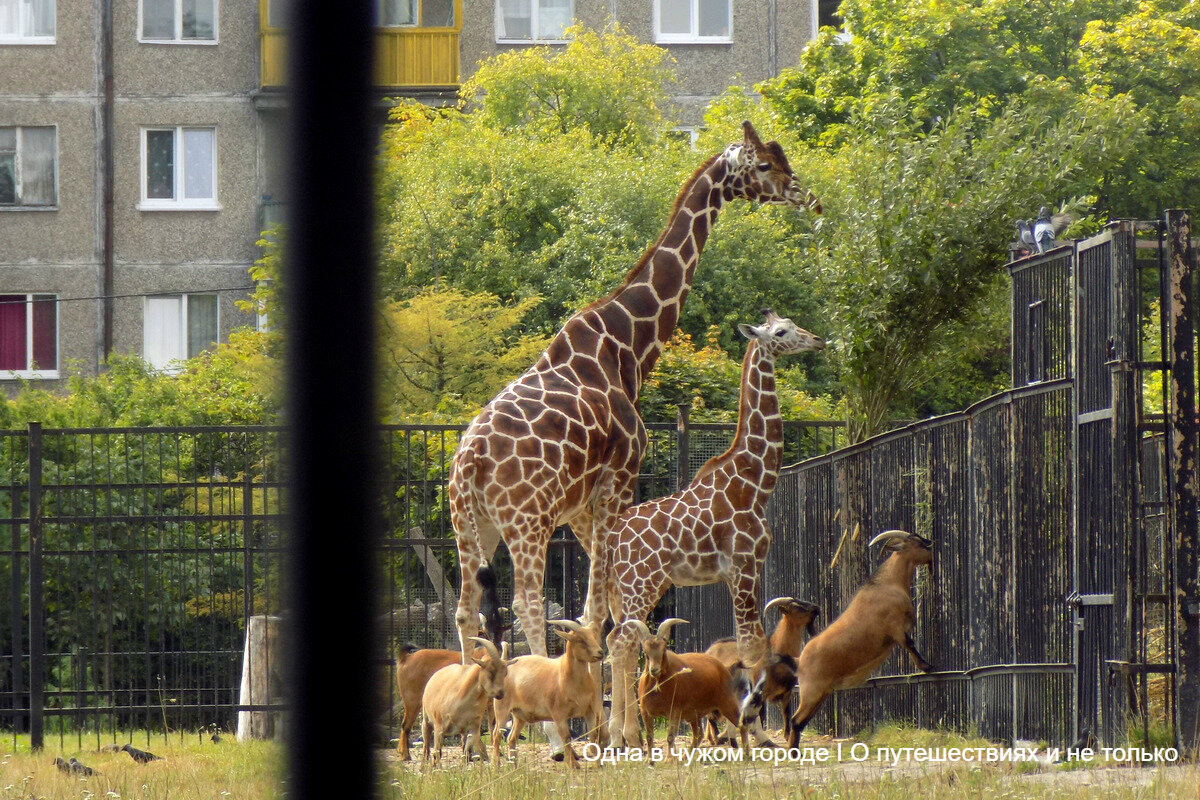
[
  {"x": 780, "y": 336},
  {"x": 761, "y": 172}
]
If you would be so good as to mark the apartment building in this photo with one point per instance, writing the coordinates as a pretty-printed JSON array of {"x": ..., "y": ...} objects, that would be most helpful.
[{"x": 142, "y": 144}]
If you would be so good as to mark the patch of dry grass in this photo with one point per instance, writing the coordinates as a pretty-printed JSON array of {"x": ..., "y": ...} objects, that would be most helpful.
[
  {"x": 192, "y": 769},
  {"x": 195, "y": 769}
]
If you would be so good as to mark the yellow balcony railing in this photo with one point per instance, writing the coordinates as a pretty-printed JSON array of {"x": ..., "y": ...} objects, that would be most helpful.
[{"x": 404, "y": 57}]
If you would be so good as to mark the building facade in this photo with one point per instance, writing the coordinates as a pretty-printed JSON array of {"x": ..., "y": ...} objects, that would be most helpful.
[{"x": 142, "y": 144}]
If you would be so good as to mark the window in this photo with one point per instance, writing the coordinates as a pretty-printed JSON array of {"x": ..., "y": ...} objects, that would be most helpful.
[
  {"x": 827, "y": 15},
  {"x": 177, "y": 327},
  {"x": 179, "y": 169},
  {"x": 693, "y": 21},
  {"x": 26, "y": 21},
  {"x": 533, "y": 20},
  {"x": 687, "y": 134},
  {"x": 27, "y": 167},
  {"x": 28, "y": 336},
  {"x": 179, "y": 21},
  {"x": 396, "y": 13}
]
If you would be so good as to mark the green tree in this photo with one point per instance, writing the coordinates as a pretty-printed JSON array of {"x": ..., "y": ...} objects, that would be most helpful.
[
  {"x": 604, "y": 82},
  {"x": 913, "y": 240},
  {"x": 707, "y": 380},
  {"x": 986, "y": 56},
  {"x": 446, "y": 352}
]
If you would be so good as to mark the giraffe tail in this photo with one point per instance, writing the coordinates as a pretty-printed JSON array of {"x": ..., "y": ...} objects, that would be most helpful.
[{"x": 489, "y": 605}]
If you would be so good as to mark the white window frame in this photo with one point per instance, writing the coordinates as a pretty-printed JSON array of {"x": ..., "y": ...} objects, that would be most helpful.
[
  {"x": 21, "y": 206},
  {"x": 690, "y": 38},
  {"x": 690, "y": 132},
  {"x": 10, "y": 38},
  {"x": 178, "y": 203},
  {"x": 36, "y": 374},
  {"x": 179, "y": 26},
  {"x": 175, "y": 365},
  {"x": 534, "y": 10}
]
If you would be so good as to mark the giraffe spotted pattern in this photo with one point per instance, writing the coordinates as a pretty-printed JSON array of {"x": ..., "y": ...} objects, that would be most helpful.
[
  {"x": 563, "y": 443},
  {"x": 713, "y": 530}
]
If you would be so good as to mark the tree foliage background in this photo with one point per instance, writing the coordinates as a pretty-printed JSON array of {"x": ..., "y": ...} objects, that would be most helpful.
[{"x": 926, "y": 129}]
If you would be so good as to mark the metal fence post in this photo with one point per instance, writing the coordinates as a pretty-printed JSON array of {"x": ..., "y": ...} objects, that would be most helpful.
[
  {"x": 37, "y": 634},
  {"x": 247, "y": 550},
  {"x": 1183, "y": 457},
  {"x": 682, "y": 472}
]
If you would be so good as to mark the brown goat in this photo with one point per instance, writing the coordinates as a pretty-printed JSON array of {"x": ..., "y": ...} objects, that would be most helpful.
[
  {"x": 778, "y": 675},
  {"x": 541, "y": 689},
  {"x": 413, "y": 671},
  {"x": 682, "y": 687},
  {"x": 796, "y": 619},
  {"x": 456, "y": 698},
  {"x": 879, "y": 617}
]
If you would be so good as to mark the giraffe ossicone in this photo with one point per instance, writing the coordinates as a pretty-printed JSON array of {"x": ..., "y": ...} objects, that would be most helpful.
[
  {"x": 715, "y": 529},
  {"x": 563, "y": 443}
]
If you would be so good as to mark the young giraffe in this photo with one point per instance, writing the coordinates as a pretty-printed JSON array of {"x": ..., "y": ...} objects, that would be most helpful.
[
  {"x": 563, "y": 443},
  {"x": 713, "y": 530}
]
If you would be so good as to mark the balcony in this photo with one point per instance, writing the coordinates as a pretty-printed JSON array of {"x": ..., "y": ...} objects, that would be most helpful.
[{"x": 406, "y": 56}]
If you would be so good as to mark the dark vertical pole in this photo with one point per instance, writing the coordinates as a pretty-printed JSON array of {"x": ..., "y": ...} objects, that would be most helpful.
[
  {"x": 37, "y": 634},
  {"x": 1125, "y": 434},
  {"x": 682, "y": 450},
  {"x": 17, "y": 604},
  {"x": 107, "y": 144},
  {"x": 1183, "y": 423},
  {"x": 332, "y": 463}
]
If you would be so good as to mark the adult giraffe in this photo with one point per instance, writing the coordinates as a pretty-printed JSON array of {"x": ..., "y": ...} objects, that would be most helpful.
[{"x": 563, "y": 443}]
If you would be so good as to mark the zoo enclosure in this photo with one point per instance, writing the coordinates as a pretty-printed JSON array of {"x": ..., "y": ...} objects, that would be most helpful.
[
  {"x": 1062, "y": 595},
  {"x": 133, "y": 558}
]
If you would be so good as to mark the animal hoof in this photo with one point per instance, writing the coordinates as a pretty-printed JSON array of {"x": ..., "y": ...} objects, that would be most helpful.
[{"x": 558, "y": 756}]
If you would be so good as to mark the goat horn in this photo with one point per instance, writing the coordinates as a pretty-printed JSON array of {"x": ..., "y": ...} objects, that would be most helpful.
[
  {"x": 778, "y": 601},
  {"x": 569, "y": 624},
  {"x": 664, "y": 627},
  {"x": 486, "y": 644},
  {"x": 504, "y": 651},
  {"x": 640, "y": 626},
  {"x": 888, "y": 536}
]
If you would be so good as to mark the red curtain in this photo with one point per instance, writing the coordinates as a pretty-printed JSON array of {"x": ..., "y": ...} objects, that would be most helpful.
[
  {"x": 45, "y": 331},
  {"x": 12, "y": 332}
]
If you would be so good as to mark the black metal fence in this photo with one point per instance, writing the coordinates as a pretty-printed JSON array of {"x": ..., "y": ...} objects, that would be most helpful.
[
  {"x": 134, "y": 558},
  {"x": 992, "y": 487}
]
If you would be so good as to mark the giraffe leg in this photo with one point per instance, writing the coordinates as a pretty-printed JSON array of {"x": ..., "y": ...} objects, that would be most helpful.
[
  {"x": 529, "y": 570},
  {"x": 466, "y": 617},
  {"x": 752, "y": 640},
  {"x": 595, "y": 609},
  {"x": 623, "y": 728}
]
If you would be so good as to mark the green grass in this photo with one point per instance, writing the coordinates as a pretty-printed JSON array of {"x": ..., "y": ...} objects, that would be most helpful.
[{"x": 193, "y": 768}]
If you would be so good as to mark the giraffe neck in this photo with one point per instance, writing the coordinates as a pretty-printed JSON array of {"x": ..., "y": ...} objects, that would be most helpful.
[
  {"x": 760, "y": 426},
  {"x": 642, "y": 313}
]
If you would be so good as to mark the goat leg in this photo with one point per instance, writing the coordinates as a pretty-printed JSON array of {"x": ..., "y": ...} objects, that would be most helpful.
[{"x": 918, "y": 659}]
